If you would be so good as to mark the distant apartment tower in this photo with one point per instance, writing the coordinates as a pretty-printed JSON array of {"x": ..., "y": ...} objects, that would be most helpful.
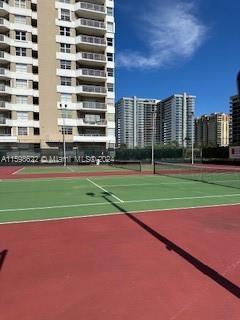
[
  {"x": 212, "y": 130},
  {"x": 175, "y": 120},
  {"x": 134, "y": 122},
  {"x": 57, "y": 73},
  {"x": 235, "y": 114}
]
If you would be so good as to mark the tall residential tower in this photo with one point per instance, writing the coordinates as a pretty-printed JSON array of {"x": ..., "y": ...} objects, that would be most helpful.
[
  {"x": 235, "y": 113},
  {"x": 175, "y": 121},
  {"x": 57, "y": 73},
  {"x": 134, "y": 122}
]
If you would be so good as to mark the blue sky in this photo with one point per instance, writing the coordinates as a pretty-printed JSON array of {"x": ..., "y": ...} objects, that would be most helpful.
[{"x": 174, "y": 46}]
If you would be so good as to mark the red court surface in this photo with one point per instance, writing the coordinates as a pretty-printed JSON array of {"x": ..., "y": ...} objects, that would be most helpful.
[
  {"x": 172, "y": 265},
  {"x": 11, "y": 173}
]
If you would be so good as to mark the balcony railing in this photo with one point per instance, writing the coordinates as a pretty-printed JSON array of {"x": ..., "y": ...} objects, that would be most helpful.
[
  {"x": 3, "y": 120},
  {"x": 92, "y": 72},
  {"x": 94, "y": 89},
  {"x": 93, "y": 40},
  {"x": 92, "y": 23},
  {"x": 2, "y": 87},
  {"x": 93, "y": 56},
  {"x": 92, "y": 135},
  {"x": 2, "y": 104},
  {"x": 94, "y": 122},
  {"x": 92, "y": 6},
  {"x": 93, "y": 105}
]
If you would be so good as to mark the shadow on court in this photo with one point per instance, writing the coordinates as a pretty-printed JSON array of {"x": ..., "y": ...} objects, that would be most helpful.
[
  {"x": 171, "y": 246},
  {"x": 3, "y": 255}
]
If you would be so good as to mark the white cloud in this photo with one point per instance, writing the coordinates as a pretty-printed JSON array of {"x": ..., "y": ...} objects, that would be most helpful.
[{"x": 170, "y": 31}]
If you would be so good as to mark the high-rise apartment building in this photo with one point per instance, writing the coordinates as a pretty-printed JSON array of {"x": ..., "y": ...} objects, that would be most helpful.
[
  {"x": 57, "y": 73},
  {"x": 175, "y": 120},
  {"x": 235, "y": 114},
  {"x": 134, "y": 122},
  {"x": 212, "y": 130}
]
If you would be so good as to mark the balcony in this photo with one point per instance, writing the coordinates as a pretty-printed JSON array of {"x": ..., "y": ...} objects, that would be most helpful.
[
  {"x": 4, "y": 8},
  {"x": 91, "y": 74},
  {"x": 4, "y": 41},
  {"x": 90, "y": 138},
  {"x": 4, "y": 89},
  {"x": 87, "y": 42},
  {"x": 4, "y": 25},
  {"x": 91, "y": 106},
  {"x": 89, "y": 90},
  {"x": 90, "y": 123},
  {"x": 83, "y": 25},
  {"x": 5, "y": 121},
  {"x": 4, "y": 57},
  {"x": 94, "y": 59},
  {"x": 5, "y": 73},
  {"x": 90, "y": 10}
]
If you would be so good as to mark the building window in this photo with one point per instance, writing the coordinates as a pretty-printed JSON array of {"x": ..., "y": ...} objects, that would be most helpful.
[
  {"x": 21, "y": 19},
  {"x": 110, "y": 27},
  {"x": 110, "y": 72},
  {"x": 22, "y": 99},
  {"x": 21, "y": 35},
  {"x": 66, "y": 114},
  {"x": 65, "y": 15},
  {"x": 36, "y": 131},
  {"x": 67, "y": 130},
  {"x": 21, "y": 52},
  {"x": 22, "y": 115},
  {"x": 20, "y": 4},
  {"x": 109, "y": 11},
  {"x": 65, "y": 97},
  {"x": 21, "y": 84},
  {"x": 65, "y": 47},
  {"x": 22, "y": 131},
  {"x": 109, "y": 57},
  {"x": 21, "y": 67},
  {"x": 66, "y": 81},
  {"x": 65, "y": 64},
  {"x": 110, "y": 87},
  {"x": 110, "y": 42},
  {"x": 65, "y": 31}
]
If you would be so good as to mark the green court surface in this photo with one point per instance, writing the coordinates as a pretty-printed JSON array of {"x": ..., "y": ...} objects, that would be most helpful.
[{"x": 23, "y": 200}]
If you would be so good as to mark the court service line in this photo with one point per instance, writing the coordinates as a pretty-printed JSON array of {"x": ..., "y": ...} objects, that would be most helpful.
[
  {"x": 102, "y": 215},
  {"x": 108, "y": 203},
  {"x": 111, "y": 194}
]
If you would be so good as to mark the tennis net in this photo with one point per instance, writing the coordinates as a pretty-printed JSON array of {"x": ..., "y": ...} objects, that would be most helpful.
[
  {"x": 127, "y": 165},
  {"x": 224, "y": 176}
]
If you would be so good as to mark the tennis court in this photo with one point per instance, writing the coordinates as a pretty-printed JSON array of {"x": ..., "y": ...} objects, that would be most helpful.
[{"x": 122, "y": 247}]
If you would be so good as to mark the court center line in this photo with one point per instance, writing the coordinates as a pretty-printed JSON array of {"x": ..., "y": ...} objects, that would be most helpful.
[
  {"x": 125, "y": 202},
  {"x": 111, "y": 194}
]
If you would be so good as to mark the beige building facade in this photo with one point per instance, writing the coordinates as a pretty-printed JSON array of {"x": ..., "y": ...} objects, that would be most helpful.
[
  {"x": 57, "y": 73},
  {"x": 212, "y": 130}
]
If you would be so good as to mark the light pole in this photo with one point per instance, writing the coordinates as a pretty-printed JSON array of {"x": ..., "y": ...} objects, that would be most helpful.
[
  {"x": 192, "y": 137},
  {"x": 153, "y": 131},
  {"x": 63, "y": 134}
]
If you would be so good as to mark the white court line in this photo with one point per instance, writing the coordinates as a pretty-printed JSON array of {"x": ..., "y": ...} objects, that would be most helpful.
[
  {"x": 96, "y": 185},
  {"x": 17, "y": 171},
  {"x": 70, "y": 169},
  {"x": 126, "y": 202},
  {"x": 122, "y": 213}
]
